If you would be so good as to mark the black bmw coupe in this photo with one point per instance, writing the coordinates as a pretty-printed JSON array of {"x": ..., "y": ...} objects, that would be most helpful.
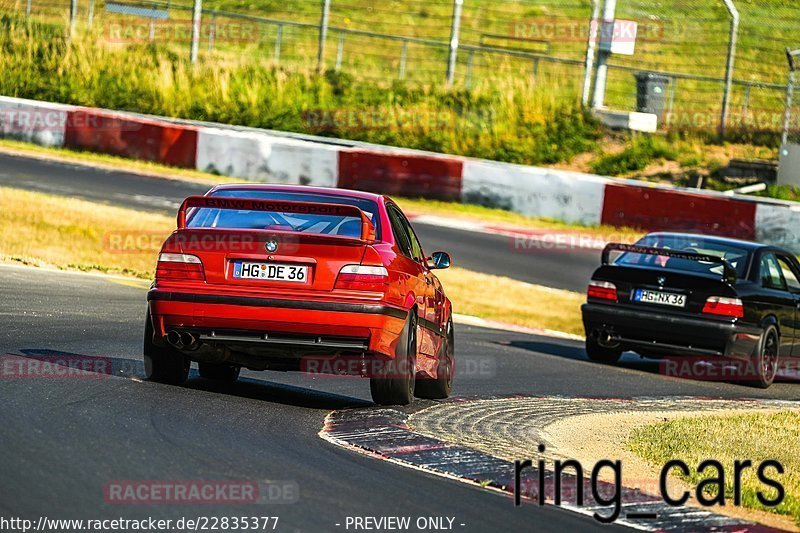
[{"x": 699, "y": 297}]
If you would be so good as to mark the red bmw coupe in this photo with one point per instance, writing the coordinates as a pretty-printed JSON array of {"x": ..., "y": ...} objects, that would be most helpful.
[{"x": 294, "y": 278}]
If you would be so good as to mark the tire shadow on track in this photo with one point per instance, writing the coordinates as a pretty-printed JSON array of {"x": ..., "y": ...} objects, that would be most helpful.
[
  {"x": 629, "y": 361},
  {"x": 55, "y": 364},
  {"x": 680, "y": 368}
]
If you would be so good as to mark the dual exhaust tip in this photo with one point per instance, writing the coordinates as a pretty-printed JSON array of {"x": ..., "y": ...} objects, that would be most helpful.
[
  {"x": 182, "y": 340},
  {"x": 606, "y": 338}
]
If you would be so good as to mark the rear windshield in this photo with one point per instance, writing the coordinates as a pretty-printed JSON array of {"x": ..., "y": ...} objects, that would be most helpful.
[
  {"x": 347, "y": 226},
  {"x": 737, "y": 257}
]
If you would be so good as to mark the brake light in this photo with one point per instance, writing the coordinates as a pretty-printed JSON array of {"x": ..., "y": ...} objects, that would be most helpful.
[
  {"x": 179, "y": 267},
  {"x": 602, "y": 290},
  {"x": 721, "y": 306},
  {"x": 362, "y": 278}
]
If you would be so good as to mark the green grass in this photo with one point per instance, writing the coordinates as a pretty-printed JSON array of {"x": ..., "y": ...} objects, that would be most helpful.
[
  {"x": 757, "y": 437},
  {"x": 643, "y": 151},
  {"x": 508, "y": 122}
]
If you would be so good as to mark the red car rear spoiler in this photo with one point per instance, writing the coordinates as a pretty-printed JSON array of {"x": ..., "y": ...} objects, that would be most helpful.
[
  {"x": 278, "y": 206},
  {"x": 730, "y": 272}
]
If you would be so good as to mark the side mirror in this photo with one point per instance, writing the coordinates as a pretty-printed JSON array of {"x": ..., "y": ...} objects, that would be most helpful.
[{"x": 439, "y": 261}]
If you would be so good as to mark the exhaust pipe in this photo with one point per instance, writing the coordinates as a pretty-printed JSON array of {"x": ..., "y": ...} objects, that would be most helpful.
[
  {"x": 175, "y": 339},
  {"x": 605, "y": 338},
  {"x": 188, "y": 340}
]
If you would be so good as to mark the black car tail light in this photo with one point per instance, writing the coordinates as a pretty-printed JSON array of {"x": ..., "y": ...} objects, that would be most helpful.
[
  {"x": 722, "y": 306},
  {"x": 602, "y": 290}
]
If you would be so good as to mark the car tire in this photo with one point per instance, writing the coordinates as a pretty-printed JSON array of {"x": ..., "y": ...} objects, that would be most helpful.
[
  {"x": 601, "y": 354},
  {"x": 440, "y": 388},
  {"x": 396, "y": 380},
  {"x": 766, "y": 360},
  {"x": 219, "y": 372},
  {"x": 163, "y": 364}
]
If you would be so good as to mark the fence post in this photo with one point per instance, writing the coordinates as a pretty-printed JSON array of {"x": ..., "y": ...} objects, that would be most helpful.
[
  {"x": 340, "y": 50},
  {"x": 454, "y": 32},
  {"x": 601, "y": 72},
  {"x": 28, "y": 9},
  {"x": 73, "y": 13},
  {"x": 787, "y": 114},
  {"x": 403, "y": 58},
  {"x": 470, "y": 61},
  {"x": 278, "y": 36},
  {"x": 196, "y": 15},
  {"x": 90, "y": 20},
  {"x": 590, "y": 51},
  {"x": 212, "y": 29},
  {"x": 734, "y": 34},
  {"x": 323, "y": 34}
]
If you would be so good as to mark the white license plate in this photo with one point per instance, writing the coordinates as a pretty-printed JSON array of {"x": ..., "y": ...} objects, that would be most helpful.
[
  {"x": 658, "y": 297},
  {"x": 270, "y": 271}
]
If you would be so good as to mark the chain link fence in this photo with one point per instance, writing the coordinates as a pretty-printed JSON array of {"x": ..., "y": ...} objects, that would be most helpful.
[{"x": 681, "y": 44}]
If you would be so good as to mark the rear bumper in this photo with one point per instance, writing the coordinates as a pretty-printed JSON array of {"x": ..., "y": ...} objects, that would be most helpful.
[
  {"x": 658, "y": 333},
  {"x": 376, "y": 325}
]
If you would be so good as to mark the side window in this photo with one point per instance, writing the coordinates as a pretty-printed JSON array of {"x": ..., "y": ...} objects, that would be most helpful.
[
  {"x": 789, "y": 274},
  {"x": 399, "y": 232},
  {"x": 771, "y": 276},
  {"x": 416, "y": 247}
]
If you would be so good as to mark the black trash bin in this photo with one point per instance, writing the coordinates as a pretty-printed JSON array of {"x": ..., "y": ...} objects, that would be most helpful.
[{"x": 651, "y": 93}]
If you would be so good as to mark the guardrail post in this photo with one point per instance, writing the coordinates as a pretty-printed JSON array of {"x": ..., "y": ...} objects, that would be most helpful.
[
  {"x": 590, "y": 52},
  {"x": 196, "y": 15},
  {"x": 732, "y": 38},
  {"x": 403, "y": 57},
  {"x": 28, "y": 9},
  {"x": 454, "y": 33},
  {"x": 278, "y": 37},
  {"x": 323, "y": 34},
  {"x": 90, "y": 18},
  {"x": 601, "y": 72}
]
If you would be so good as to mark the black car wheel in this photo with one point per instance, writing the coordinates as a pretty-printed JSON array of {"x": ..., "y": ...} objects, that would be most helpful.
[
  {"x": 440, "y": 388},
  {"x": 163, "y": 364},
  {"x": 766, "y": 361},
  {"x": 217, "y": 372},
  {"x": 601, "y": 354},
  {"x": 395, "y": 382}
]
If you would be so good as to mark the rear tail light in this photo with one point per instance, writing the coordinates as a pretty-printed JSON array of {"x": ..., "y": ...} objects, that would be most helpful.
[
  {"x": 179, "y": 267},
  {"x": 721, "y": 306},
  {"x": 602, "y": 290},
  {"x": 362, "y": 278}
]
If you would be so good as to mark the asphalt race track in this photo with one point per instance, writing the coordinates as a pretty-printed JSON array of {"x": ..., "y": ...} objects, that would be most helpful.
[
  {"x": 64, "y": 439},
  {"x": 492, "y": 254}
]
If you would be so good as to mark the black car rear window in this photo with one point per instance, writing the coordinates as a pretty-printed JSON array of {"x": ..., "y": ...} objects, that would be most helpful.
[
  {"x": 305, "y": 223},
  {"x": 738, "y": 257}
]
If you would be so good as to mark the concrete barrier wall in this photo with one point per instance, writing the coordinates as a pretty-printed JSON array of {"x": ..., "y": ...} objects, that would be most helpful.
[
  {"x": 403, "y": 174},
  {"x": 661, "y": 208},
  {"x": 539, "y": 192},
  {"x": 258, "y": 157},
  {"x": 131, "y": 136},
  {"x": 40, "y": 123}
]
